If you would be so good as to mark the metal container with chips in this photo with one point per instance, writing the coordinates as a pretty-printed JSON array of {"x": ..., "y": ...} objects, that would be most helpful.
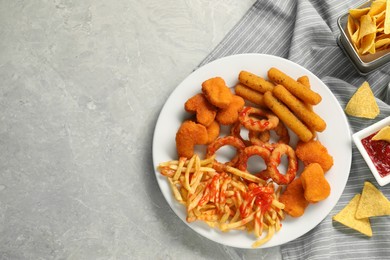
[{"x": 366, "y": 41}]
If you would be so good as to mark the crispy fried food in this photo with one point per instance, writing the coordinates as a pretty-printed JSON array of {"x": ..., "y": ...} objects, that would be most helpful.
[
  {"x": 217, "y": 92},
  {"x": 274, "y": 162},
  {"x": 263, "y": 138},
  {"x": 293, "y": 199},
  {"x": 213, "y": 131},
  {"x": 296, "y": 88},
  {"x": 304, "y": 80},
  {"x": 189, "y": 135},
  {"x": 229, "y": 115},
  {"x": 249, "y": 94},
  {"x": 314, "y": 183},
  {"x": 309, "y": 117},
  {"x": 257, "y": 124},
  {"x": 255, "y": 82},
  {"x": 314, "y": 152},
  {"x": 288, "y": 118},
  {"x": 205, "y": 112}
]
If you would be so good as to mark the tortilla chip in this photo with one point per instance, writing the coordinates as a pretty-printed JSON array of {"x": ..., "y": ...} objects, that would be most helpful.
[
  {"x": 357, "y": 13},
  {"x": 377, "y": 7},
  {"x": 347, "y": 217},
  {"x": 387, "y": 18},
  {"x": 363, "y": 103},
  {"x": 383, "y": 134},
  {"x": 372, "y": 203}
]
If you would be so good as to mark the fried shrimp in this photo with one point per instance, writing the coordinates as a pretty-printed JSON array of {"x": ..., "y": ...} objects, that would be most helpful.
[
  {"x": 205, "y": 112},
  {"x": 229, "y": 115},
  {"x": 189, "y": 135}
]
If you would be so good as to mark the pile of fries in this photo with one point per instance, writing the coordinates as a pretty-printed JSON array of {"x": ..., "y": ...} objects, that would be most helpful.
[{"x": 232, "y": 200}]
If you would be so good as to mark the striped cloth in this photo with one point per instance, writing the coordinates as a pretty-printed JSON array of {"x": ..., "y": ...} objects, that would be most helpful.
[{"x": 305, "y": 32}]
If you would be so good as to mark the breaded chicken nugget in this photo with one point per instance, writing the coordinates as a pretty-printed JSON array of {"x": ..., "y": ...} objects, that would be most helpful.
[
  {"x": 189, "y": 135},
  {"x": 293, "y": 199},
  {"x": 314, "y": 183},
  {"x": 213, "y": 131},
  {"x": 314, "y": 152},
  {"x": 229, "y": 115},
  {"x": 205, "y": 112},
  {"x": 216, "y": 92}
]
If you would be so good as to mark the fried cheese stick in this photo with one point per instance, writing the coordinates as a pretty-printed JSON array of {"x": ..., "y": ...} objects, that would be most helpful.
[{"x": 288, "y": 118}]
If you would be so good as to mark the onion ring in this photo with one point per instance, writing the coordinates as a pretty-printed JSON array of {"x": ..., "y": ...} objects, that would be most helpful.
[
  {"x": 254, "y": 150},
  {"x": 274, "y": 161},
  {"x": 222, "y": 141},
  {"x": 235, "y": 131},
  {"x": 255, "y": 124},
  {"x": 262, "y": 138}
]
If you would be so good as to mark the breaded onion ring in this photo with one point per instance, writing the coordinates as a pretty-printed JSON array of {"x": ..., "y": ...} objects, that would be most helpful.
[
  {"x": 251, "y": 151},
  {"x": 256, "y": 124},
  {"x": 262, "y": 138},
  {"x": 274, "y": 162},
  {"x": 222, "y": 141}
]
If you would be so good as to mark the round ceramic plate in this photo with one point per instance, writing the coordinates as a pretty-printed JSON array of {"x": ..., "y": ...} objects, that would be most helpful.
[{"x": 336, "y": 138}]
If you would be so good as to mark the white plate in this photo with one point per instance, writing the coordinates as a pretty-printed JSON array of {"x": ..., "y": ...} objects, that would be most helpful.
[
  {"x": 336, "y": 138},
  {"x": 357, "y": 137}
]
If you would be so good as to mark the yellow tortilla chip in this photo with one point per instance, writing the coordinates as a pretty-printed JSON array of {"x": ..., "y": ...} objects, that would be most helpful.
[
  {"x": 387, "y": 18},
  {"x": 357, "y": 13},
  {"x": 377, "y": 7},
  {"x": 367, "y": 26},
  {"x": 383, "y": 134},
  {"x": 347, "y": 217},
  {"x": 372, "y": 203},
  {"x": 363, "y": 103}
]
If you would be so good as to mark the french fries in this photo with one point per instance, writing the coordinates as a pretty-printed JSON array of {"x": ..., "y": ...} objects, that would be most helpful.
[{"x": 224, "y": 200}]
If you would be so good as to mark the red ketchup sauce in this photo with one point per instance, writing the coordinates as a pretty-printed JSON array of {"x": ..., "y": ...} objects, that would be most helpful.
[{"x": 379, "y": 152}]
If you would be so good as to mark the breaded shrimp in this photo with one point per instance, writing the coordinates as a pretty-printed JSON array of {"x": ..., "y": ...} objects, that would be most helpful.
[
  {"x": 189, "y": 135},
  {"x": 205, "y": 112}
]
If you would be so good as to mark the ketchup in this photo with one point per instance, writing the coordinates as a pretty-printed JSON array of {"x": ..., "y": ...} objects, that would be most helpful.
[{"x": 379, "y": 152}]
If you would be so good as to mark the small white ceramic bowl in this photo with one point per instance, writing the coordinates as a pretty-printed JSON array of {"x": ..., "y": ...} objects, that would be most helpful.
[{"x": 357, "y": 137}]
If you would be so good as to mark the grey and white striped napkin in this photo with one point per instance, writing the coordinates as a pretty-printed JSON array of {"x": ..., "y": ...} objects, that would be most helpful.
[{"x": 305, "y": 32}]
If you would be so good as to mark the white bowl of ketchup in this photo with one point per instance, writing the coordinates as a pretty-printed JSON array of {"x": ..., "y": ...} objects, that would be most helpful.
[{"x": 375, "y": 153}]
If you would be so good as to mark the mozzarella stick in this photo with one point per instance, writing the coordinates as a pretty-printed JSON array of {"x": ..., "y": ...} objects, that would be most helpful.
[
  {"x": 255, "y": 82},
  {"x": 249, "y": 94},
  {"x": 311, "y": 119},
  {"x": 297, "y": 89},
  {"x": 288, "y": 118},
  {"x": 304, "y": 80}
]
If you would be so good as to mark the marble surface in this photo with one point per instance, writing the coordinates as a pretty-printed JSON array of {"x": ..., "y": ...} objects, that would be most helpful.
[{"x": 82, "y": 84}]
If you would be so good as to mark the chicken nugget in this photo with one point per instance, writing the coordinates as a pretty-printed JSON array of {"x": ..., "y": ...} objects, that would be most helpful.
[
  {"x": 314, "y": 152},
  {"x": 189, "y": 135},
  {"x": 213, "y": 131},
  {"x": 293, "y": 199},
  {"x": 217, "y": 92},
  {"x": 314, "y": 183},
  {"x": 229, "y": 115},
  {"x": 205, "y": 112}
]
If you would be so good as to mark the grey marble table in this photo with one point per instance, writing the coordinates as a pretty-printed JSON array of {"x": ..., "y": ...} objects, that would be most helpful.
[{"x": 82, "y": 84}]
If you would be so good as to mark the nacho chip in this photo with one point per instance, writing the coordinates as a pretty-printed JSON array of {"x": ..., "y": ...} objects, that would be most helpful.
[
  {"x": 372, "y": 203},
  {"x": 365, "y": 26},
  {"x": 347, "y": 217},
  {"x": 387, "y": 18},
  {"x": 357, "y": 13},
  {"x": 362, "y": 103},
  {"x": 383, "y": 134}
]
